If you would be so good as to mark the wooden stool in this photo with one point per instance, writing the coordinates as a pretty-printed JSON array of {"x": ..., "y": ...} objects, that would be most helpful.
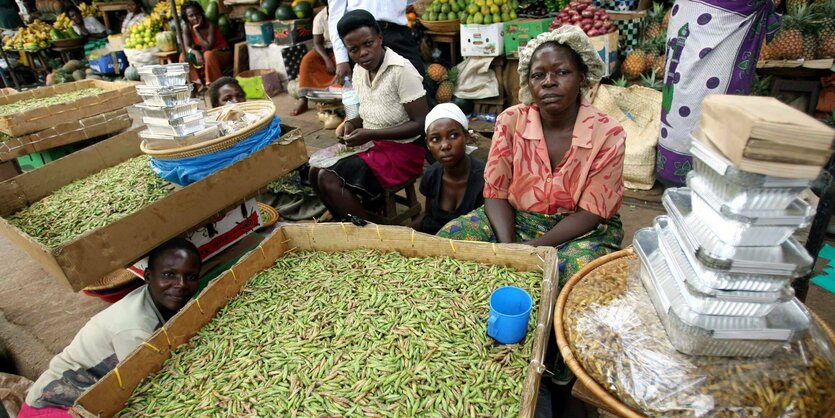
[
  {"x": 389, "y": 215},
  {"x": 451, "y": 38},
  {"x": 170, "y": 57}
]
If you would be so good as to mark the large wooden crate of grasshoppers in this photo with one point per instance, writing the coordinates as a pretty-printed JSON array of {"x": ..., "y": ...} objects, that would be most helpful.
[
  {"x": 64, "y": 134},
  {"x": 102, "y": 208},
  {"x": 339, "y": 320},
  {"x": 42, "y": 108}
]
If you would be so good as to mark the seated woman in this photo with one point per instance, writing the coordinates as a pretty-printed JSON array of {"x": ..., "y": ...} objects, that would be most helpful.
[
  {"x": 318, "y": 67},
  {"x": 391, "y": 114},
  {"x": 135, "y": 15},
  {"x": 555, "y": 172},
  {"x": 226, "y": 90},
  {"x": 206, "y": 49},
  {"x": 454, "y": 184},
  {"x": 85, "y": 26},
  {"x": 172, "y": 278}
]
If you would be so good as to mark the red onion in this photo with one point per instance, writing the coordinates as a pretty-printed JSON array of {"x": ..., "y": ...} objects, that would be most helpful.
[
  {"x": 594, "y": 32},
  {"x": 586, "y": 27},
  {"x": 597, "y": 24},
  {"x": 586, "y": 13}
]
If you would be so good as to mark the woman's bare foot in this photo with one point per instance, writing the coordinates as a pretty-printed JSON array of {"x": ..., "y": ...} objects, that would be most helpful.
[{"x": 301, "y": 107}]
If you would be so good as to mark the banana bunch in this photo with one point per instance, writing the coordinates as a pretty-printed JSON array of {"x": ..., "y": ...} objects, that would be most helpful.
[
  {"x": 62, "y": 22},
  {"x": 89, "y": 10},
  {"x": 163, "y": 7},
  {"x": 34, "y": 36}
]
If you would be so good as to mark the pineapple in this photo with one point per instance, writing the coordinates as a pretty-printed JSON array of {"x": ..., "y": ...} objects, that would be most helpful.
[
  {"x": 651, "y": 81},
  {"x": 792, "y": 6},
  {"x": 761, "y": 86},
  {"x": 655, "y": 19},
  {"x": 789, "y": 42},
  {"x": 436, "y": 72},
  {"x": 826, "y": 35},
  {"x": 446, "y": 88},
  {"x": 656, "y": 60},
  {"x": 635, "y": 62},
  {"x": 621, "y": 82}
]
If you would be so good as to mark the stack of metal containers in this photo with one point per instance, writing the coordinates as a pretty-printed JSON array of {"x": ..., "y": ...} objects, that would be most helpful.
[
  {"x": 168, "y": 110},
  {"x": 718, "y": 266}
]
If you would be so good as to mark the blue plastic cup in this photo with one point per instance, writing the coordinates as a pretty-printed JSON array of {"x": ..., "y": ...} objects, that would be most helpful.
[{"x": 510, "y": 310}]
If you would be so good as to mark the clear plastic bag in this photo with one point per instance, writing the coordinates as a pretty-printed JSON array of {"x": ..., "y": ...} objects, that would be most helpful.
[{"x": 616, "y": 335}]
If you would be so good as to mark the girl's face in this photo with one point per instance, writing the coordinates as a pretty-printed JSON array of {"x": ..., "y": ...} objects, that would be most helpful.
[
  {"x": 194, "y": 17},
  {"x": 230, "y": 93},
  {"x": 447, "y": 141},
  {"x": 75, "y": 16},
  {"x": 554, "y": 79},
  {"x": 133, "y": 7},
  {"x": 365, "y": 47},
  {"x": 173, "y": 280}
]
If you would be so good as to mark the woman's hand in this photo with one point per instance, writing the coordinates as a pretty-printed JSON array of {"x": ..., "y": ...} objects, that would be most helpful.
[
  {"x": 194, "y": 28},
  {"x": 343, "y": 69},
  {"x": 330, "y": 67},
  {"x": 358, "y": 137},
  {"x": 344, "y": 128}
]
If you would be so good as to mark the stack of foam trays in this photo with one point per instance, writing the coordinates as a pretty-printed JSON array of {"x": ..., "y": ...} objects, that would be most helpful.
[
  {"x": 718, "y": 266},
  {"x": 168, "y": 110}
]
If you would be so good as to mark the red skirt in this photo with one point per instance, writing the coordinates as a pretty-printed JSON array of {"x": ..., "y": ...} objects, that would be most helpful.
[{"x": 394, "y": 163}]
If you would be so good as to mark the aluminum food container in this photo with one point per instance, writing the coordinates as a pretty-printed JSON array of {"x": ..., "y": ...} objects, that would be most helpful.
[
  {"x": 210, "y": 132},
  {"x": 740, "y": 190},
  {"x": 165, "y": 75},
  {"x": 761, "y": 228},
  {"x": 178, "y": 126},
  {"x": 704, "y": 299},
  {"x": 170, "y": 112},
  {"x": 713, "y": 335},
  {"x": 164, "y": 96},
  {"x": 787, "y": 259}
]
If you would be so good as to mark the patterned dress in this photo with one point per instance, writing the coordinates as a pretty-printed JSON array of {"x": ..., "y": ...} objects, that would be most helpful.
[
  {"x": 589, "y": 177},
  {"x": 712, "y": 48}
]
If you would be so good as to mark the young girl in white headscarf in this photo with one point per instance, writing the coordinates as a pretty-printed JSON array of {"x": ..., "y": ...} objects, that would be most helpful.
[{"x": 453, "y": 185}]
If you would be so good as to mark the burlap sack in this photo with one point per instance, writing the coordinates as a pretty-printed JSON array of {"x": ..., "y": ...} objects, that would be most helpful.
[{"x": 638, "y": 109}]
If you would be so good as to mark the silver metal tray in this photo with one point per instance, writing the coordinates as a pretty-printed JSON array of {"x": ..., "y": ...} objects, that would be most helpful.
[
  {"x": 749, "y": 230},
  {"x": 190, "y": 107},
  {"x": 178, "y": 126},
  {"x": 703, "y": 299},
  {"x": 210, "y": 132},
  {"x": 709, "y": 158},
  {"x": 787, "y": 259},
  {"x": 713, "y": 335},
  {"x": 164, "y": 96}
]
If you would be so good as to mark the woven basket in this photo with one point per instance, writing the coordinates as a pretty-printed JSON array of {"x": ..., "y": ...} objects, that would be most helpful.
[
  {"x": 269, "y": 215},
  {"x": 613, "y": 403},
  {"x": 441, "y": 25},
  {"x": 175, "y": 150},
  {"x": 113, "y": 281}
]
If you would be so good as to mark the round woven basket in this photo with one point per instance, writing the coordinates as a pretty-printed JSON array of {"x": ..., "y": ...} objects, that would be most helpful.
[
  {"x": 269, "y": 216},
  {"x": 441, "y": 25},
  {"x": 175, "y": 150},
  {"x": 614, "y": 404}
]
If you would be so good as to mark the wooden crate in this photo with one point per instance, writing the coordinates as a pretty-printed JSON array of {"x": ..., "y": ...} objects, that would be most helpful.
[
  {"x": 116, "y": 95},
  {"x": 66, "y": 133},
  {"x": 87, "y": 258},
  {"x": 108, "y": 395}
]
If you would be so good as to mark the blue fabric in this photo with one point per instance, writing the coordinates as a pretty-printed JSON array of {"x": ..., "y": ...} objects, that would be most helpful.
[{"x": 189, "y": 170}]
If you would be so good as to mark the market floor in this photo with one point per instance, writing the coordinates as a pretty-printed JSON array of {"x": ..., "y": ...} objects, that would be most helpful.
[{"x": 39, "y": 316}]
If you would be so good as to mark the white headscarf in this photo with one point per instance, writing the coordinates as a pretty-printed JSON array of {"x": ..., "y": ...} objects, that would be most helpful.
[
  {"x": 570, "y": 36},
  {"x": 448, "y": 111}
]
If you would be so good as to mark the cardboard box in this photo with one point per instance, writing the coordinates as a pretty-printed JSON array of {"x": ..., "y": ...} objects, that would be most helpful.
[
  {"x": 116, "y": 95},
  {"x": 482, "y": 40},
  {"x": 259, "y": 33},
  {"x": 291, "y": 32},
  {"x": 87, "y": 258},
  {"x": 607, "y": 47},
  {"x": 66, "y": 133},
  {"x": 517, "y": 34},
  {"x": 110, "y": 394},
  {"x": 218, "y": 234}
]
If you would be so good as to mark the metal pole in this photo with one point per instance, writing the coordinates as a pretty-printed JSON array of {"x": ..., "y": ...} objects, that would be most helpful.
[
  {"x": 176, "y": 18},
  {"x": 817, "y": 232}
]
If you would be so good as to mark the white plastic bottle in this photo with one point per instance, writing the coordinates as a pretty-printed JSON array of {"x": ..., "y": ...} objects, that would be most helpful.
[{"x": 350, "y": 100}]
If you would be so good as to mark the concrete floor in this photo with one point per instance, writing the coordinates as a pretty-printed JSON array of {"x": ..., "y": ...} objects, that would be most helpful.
[{"x": 39, "y": 317}]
